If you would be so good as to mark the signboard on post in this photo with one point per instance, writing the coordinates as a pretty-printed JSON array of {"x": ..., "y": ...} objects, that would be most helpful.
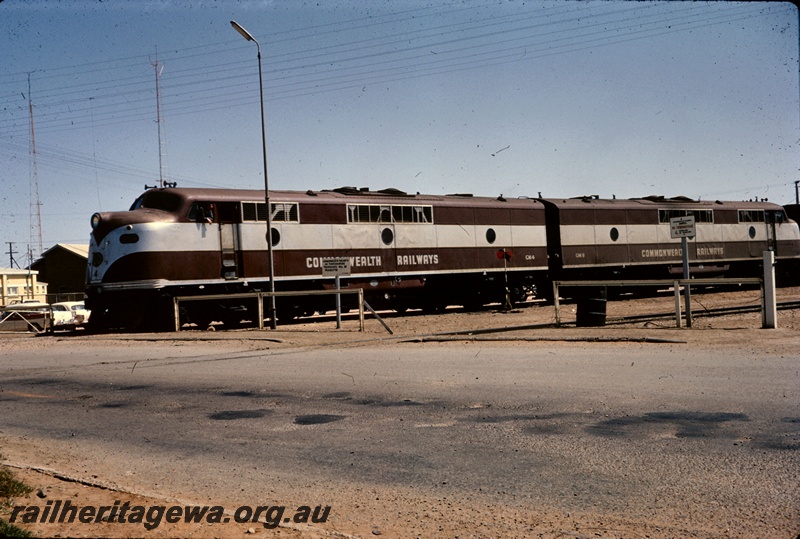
[
  {"x": 682, "y": 227},
  {"x": 335, "y": 267}
]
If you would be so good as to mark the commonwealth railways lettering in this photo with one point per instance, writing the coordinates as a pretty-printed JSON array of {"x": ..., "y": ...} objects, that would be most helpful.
[
  {"x": 417, "y": 260},
  {"x": 710, "y": 251},
  {"x": 661, "y": 253},
  {"x": 355, "y": 261},
  {"x": 677, "y": 252}
]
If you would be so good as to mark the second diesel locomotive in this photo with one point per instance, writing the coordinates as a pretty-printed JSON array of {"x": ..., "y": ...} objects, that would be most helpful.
[{"x": 405, "y": 250}]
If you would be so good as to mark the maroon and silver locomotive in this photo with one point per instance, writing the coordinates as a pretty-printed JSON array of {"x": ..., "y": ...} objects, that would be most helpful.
[
  {"x": 594, "y": 238},
  {"x": 404, "y": 250}
]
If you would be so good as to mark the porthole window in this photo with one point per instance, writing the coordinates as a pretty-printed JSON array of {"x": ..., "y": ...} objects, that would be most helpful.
[
  {"x": 752, "y": 232},
  {"x": 129, "y": 238},
  {"x": 275, "y": 236},
  {"x": 614, "y": 234},
  {"x": 491, "y": 235},
  {"x": 387, "y": 236}
]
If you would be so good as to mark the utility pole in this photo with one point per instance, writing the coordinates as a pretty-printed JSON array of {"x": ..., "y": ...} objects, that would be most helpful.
[
  {"x": 11, "y": 253},
  {"x": 36, "y": 204}
]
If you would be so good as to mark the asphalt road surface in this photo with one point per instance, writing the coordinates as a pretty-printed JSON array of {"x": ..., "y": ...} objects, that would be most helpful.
[{"x": 407, "y": 440}]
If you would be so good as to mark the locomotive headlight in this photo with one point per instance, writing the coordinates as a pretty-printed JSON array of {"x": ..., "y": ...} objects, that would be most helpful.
[{"x": 95, "y": 220}]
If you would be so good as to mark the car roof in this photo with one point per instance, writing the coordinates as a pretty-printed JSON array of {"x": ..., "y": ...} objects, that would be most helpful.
[{"x": 24, "y": 306}]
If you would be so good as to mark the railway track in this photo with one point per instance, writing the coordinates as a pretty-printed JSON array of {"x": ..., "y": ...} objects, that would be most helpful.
[{"x": 704, "y": 313}]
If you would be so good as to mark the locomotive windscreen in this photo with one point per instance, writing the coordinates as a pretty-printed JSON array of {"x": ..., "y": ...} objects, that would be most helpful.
[{"x": 158, "y": 200}]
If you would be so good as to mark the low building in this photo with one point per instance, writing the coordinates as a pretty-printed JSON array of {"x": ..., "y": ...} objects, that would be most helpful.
[
  {"x": 21, "y": 284},
  {"x": 63, "y": 268}
]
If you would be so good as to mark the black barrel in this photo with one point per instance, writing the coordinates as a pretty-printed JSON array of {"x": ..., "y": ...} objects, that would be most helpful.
[{"x": 591, "y": 308}]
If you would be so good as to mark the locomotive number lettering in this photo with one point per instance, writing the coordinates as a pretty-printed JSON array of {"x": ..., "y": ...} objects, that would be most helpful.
[{"x": 580, "y": 255}]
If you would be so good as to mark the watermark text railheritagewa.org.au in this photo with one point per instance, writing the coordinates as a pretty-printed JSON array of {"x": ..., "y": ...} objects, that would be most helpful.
[{"x": 151, "y": 517}]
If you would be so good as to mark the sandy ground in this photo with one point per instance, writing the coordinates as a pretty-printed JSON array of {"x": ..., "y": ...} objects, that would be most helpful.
[{"x": 736, "y": 331}]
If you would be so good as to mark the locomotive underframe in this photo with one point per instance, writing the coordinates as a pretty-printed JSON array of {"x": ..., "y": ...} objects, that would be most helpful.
[{"x": 149, "y": 307}]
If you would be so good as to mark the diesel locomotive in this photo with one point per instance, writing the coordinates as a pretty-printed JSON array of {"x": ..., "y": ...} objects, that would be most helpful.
[{"x": 405, "y": 250}]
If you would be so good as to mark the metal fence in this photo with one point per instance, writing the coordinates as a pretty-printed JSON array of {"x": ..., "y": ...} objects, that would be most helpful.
[
  {"x": 676, "y": 284},
  {"x": 259, "y": 296}
]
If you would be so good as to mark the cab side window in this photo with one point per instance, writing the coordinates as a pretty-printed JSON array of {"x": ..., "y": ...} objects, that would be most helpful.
[{"x": 202, "y": 212}]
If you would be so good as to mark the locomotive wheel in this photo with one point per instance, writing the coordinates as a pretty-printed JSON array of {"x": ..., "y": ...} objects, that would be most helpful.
[
  {"x": 518, "y": 295},
  {"x": 433, "y": 308},
  {"x": 289, "y": 313},
  {"x": 473, "y": 306}
]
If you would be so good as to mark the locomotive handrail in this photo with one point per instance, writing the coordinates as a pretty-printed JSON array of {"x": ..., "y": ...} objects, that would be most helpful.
[
  {"x": 675, "y": 283},
  {"x": 261, "y": 295}
]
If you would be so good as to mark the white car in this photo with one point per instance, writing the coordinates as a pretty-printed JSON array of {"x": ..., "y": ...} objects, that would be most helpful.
[{"x": 69, "y": 314}]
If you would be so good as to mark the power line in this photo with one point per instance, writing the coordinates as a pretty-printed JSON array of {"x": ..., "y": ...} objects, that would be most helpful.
[{"x": 335, "y": 76}]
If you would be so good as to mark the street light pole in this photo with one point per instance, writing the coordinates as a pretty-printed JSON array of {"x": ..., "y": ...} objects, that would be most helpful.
[{"x": 272, "y": 319}]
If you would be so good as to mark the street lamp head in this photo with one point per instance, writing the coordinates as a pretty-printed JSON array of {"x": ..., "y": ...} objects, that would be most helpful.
[{"x": 245, "y": 33}]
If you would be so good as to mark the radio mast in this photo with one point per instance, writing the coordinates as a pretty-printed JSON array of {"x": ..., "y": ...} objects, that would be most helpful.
[
  {"x": 35, "y": 203},
  {"x": 163, "y": 173}
]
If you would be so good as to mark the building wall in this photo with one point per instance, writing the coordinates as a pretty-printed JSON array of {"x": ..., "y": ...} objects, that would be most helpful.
[
  {"x": 64, "y": 272},
  {"x": 17, "y": 285}
]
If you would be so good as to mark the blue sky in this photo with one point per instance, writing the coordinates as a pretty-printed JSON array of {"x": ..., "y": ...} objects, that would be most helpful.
[{"x": 483, "y": 96}]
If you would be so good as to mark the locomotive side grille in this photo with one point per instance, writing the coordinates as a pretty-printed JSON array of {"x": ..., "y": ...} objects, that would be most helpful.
[{"x": 282, "y": 212}]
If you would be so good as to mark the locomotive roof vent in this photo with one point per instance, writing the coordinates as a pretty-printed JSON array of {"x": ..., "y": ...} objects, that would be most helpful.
[
  {"x": 347, "y": 190},
  {"x": 393, "y": 191},
  {"x": 661, "y": 198},
  {"x": 390, "y": 191}
]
